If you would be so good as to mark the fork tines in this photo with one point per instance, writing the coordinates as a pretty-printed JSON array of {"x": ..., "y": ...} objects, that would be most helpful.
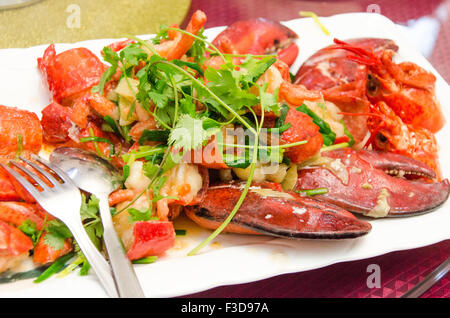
[{"x": 43, "y": 179}]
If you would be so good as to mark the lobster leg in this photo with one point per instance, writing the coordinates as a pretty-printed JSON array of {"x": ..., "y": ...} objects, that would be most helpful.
[
  {"x": 272, "y": 212},
  {"x": 362, "y": 187}
]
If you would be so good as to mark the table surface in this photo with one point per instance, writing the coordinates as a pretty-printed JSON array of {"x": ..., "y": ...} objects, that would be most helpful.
[
  {"x": 426, "y": 22},
  {"x": 401, "y": 270}
]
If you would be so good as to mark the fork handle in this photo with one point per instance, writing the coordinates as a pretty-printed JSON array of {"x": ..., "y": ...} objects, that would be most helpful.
[
  {"x": 124, "y": 275},
  {"x": 95, "y": 259}
]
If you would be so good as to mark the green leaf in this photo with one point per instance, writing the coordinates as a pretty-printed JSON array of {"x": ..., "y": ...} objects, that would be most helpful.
[
  {"x": 132, "y": 54},
  {"x": 29, "y": 228},
  {"x": 163, "y": 34},
  {"x": 57, "y": 233},
  {"x": 110, "y": 56},
  {"x": 256, "y": 67},
  {"x": 283, "y": 113},
  {"x": 172, "y": 160},
  {"x": 226, "y": 84},
  {"x": 269, "y": 102},
  {"x": 113, "y": 58},
  {"x": 149, "y": 169},
  {"x": 154, "y": 135},
  {"x": 196, "y": 67},
  {"x": 89, "y": 213},
  {"x": 138, "y": 215},
  {"x": 198, "y": 48},
  {"x": 89, "y": 209},
  {"x": 188, "y": 133},
  {"x": 160, "y": 100},
  {"x": 187, "y": 106}
]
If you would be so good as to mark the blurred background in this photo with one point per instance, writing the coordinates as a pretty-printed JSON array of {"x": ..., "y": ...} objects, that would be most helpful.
[{"x": 425, "y": 22}]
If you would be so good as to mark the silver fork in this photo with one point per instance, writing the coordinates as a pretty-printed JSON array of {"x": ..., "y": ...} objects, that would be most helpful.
[{"x": 63, "y": 201}]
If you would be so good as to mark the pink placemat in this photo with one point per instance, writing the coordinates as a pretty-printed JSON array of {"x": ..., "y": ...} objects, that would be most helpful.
[{"x": 399, "y": 271}]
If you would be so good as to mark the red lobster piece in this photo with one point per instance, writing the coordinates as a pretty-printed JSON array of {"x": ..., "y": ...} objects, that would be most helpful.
[
  {"x": 268, "y": 210},
  {"x": 20, "y": 133},
  {"x": 360, "y": 72},
  {"x": 343, "y": 81},
  {"x": 369, "y": 182},
  {"x": 389, "y": 133},
  {"x": 19, "y": 128},
  {"x": 70, "y": 73},
  {"x": 258, "y": 36}
]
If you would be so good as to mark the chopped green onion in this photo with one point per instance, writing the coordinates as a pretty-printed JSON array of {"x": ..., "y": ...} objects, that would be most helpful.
[
  {"x": 96, "y": 139},
  {"x": 311, "y": 192},
  {"x": 316, "y": 20},
  {"x": 35, "y": 272},
  {"x": 180, "y": 232},
  {"x": 79, "y": 260},
  {"x": 334, "y": 147},
  {"x": 56, "y": 267},
  {"x": 145, "y": 260},
  {"x": 143, "y": 151},
  {"x": 348, "y": 134},
  {"x": 154, "y": 135},
  {"x": 294, "y": 144},
  {"x": 324, "y": 128},
  {"x": 125, "y": 172},
  {"x": 19, "y": 145}
]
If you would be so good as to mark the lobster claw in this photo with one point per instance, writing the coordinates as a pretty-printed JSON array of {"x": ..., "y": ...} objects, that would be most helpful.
[
  {"x": 369, "y": 183},
  {"x": 258, "y": 36},
  {"x": 268, "y": 210}
]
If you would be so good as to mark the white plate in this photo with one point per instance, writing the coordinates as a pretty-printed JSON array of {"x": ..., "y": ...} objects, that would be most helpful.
[{"x": 234, "y": 259}]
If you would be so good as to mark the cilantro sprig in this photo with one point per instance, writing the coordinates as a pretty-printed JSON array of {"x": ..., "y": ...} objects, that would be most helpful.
[{"x": 190, "y": 104}]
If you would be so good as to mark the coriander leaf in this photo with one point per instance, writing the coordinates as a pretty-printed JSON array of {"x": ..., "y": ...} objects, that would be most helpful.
[
  {"x": 132, "y": 54},
  {"x": 138, "y": 215},
  {"x": 283, "y": 113},
  {"x": 149, "y": 169},
  {"x": 159, "y": 99},
  {"x": 163, "y": 34},
  {"x": 226, "y": 85},
  {"x": 110, "y": 56},
  {"x": 29, "y": 228},
  {"x": 188, "y": 134},
  {"x": 255, "y": 68},
  {"x": 89, "y": 209},
  {"x": 196, "y": 67},
  {"x": 113, "y": 58},
  {"x": 269, "y": 101},
  {"x": 187, "y": 106},
  {"x": 57, "y": 233},
  {"x": 198, "y": 48},
  {"x": 91, "y": 220}
]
